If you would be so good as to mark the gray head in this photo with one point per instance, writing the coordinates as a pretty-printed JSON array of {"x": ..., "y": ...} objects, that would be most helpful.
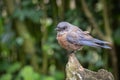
[{"x": 63, "y": 26}]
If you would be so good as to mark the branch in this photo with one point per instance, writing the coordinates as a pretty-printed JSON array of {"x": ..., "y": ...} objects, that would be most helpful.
[
  {"x": 113, "y": 53},
  {"x": 75, "y": 71},
  {"x": 106, "y": 19},
  {"x": 91, "y": 19}
]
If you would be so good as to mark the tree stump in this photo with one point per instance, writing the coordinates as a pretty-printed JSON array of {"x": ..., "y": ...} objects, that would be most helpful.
[{"x": 75, "y": 71}]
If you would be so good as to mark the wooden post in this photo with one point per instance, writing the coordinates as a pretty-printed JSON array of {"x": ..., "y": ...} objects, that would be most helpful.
[{"x": 75, "y": 71}]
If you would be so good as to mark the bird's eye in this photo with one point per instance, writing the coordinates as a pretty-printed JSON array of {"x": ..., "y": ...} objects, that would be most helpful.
[{"x": 64, "y": 27}]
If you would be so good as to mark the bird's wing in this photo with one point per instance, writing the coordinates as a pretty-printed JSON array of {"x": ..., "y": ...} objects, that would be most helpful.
[
  {"x": 86, "y": 32},
  {"x": 81, "y": 38}
]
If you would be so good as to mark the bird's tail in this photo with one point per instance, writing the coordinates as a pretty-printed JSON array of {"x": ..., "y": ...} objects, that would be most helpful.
[{"x": 103, "y": 44}]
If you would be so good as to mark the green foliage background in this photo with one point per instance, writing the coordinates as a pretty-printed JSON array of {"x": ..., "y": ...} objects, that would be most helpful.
[{"x": 28, "y": 45}]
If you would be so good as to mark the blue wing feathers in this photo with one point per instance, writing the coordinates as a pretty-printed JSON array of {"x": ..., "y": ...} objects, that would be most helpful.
[
  {"x": 100, "y": 41},
  {"x": 74, "y": 39}
]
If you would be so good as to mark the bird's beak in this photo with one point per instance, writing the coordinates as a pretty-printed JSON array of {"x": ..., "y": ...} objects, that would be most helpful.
[{"x": 56, "y": 29}]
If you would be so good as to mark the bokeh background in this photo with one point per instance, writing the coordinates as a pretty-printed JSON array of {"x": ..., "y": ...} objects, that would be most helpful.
[{"x": 28, "y": 46}]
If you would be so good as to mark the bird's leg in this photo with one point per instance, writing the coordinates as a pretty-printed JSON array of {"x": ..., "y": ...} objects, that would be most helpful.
[{"x": 70, "y": 52}]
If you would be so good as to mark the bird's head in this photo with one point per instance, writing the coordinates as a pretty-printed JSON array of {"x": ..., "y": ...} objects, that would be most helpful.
[{"x": 62, "y": 26}]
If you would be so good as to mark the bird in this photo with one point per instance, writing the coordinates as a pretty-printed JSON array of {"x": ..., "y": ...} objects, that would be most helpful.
[{"x": 72, "y": 38}]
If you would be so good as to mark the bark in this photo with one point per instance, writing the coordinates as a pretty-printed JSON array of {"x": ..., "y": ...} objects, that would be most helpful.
[{"x": 75, "y": 71}]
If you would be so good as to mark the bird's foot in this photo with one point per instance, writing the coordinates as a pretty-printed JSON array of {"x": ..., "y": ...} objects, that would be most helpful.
[{"x": 70, "y": 52}]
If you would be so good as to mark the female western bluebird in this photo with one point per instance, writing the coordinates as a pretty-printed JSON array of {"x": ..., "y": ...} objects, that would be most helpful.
[{"x": 73, "y": 38}]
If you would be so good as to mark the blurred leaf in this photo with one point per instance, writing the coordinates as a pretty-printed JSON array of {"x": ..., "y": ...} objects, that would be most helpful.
[
  {"x": 14, "y": 67},
  {"x": 46, "y": 21},
  {"x": 99, "y": 63},
  {"x": 76, "y": 22},
  {"x": 4, "y": 65},
  {"x": 27, "y": 73},
  {"x": 99, "y": 7},
  {"x": 49, "y": 78},
  {"x": 92, "y": 57},
  {"x": 81, "y": 57},
  {"x": 117, "y": 36},
  {"x": 19, "y": 40},
  {"x": 52, "y": 69},
  {"x": 7, "y": 37},
  {"x": 31, "y": 14},
  {"x": 26, "y": 3},
  {"x": 1, "y": 26},
  {"x": 59, "y": 75},
  {"x": 6, "y": 77}
]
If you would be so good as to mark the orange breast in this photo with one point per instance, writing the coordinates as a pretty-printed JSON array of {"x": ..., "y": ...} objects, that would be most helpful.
[{"x": 62, "y": 40}]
